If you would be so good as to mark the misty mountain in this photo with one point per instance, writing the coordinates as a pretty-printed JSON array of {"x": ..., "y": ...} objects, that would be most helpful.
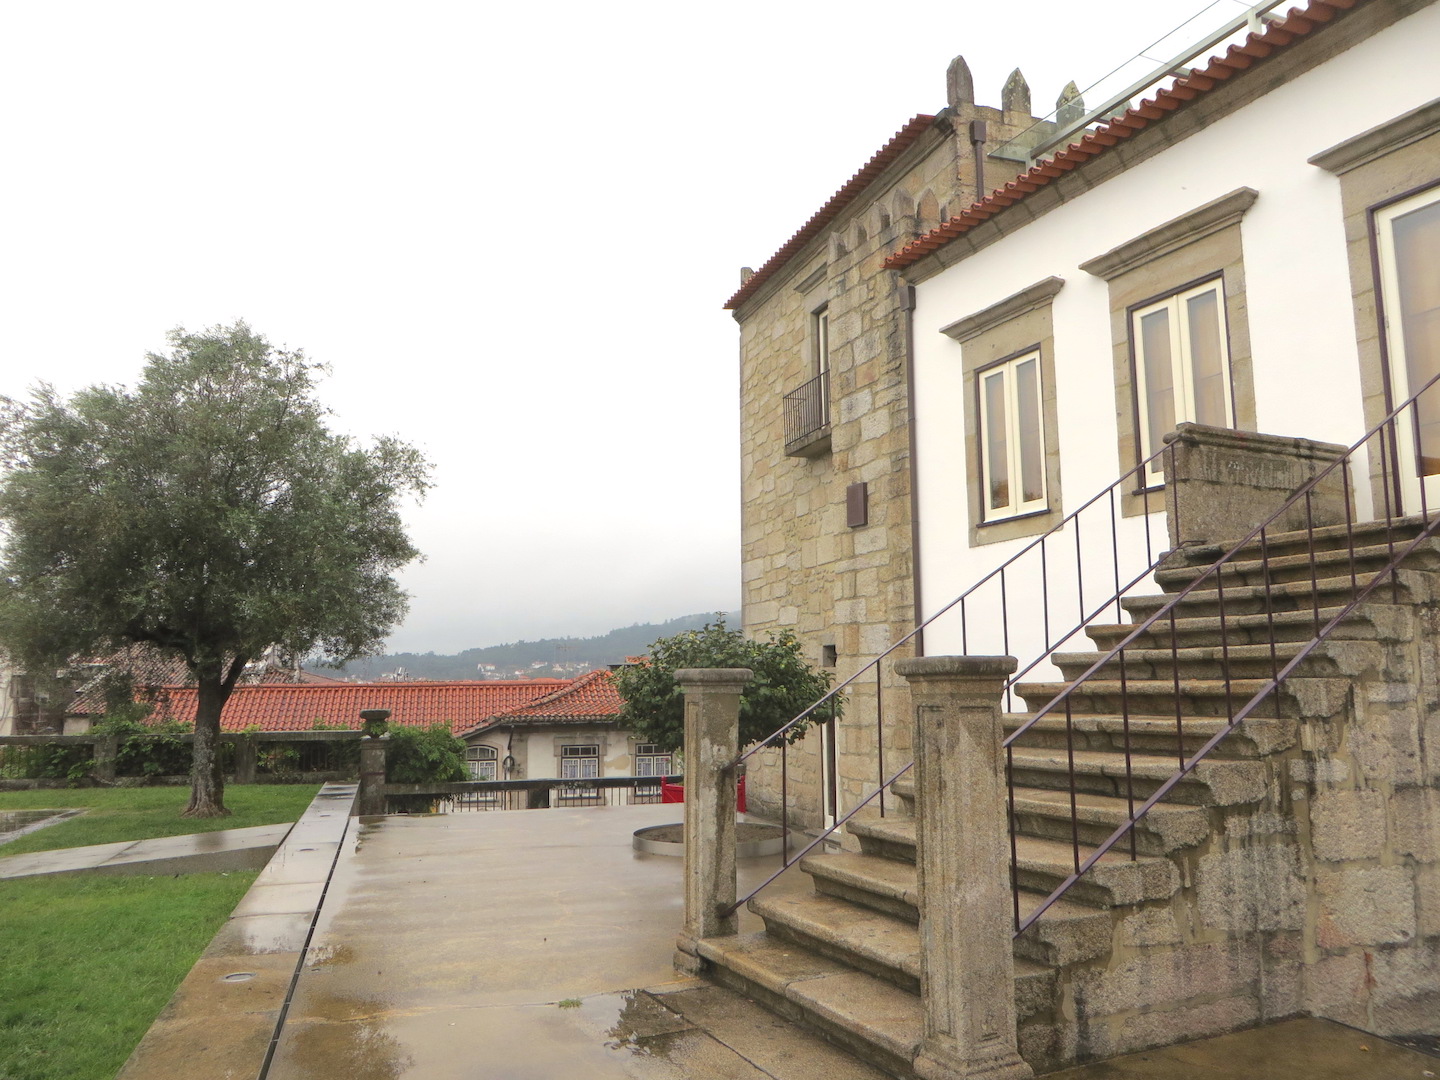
[{"x": 532, "y": 659}]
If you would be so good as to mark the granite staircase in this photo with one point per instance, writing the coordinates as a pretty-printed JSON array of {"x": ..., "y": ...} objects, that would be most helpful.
[{"x": 844, "y": 959}]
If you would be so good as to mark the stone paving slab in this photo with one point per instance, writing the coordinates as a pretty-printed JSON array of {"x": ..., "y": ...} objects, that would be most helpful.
[{"x": 224, "y": 849}]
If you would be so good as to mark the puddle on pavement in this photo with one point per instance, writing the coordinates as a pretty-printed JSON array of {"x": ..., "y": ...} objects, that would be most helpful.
[
  {"x": 16, "y": 823},
  {"x": 628, "y": 1036}
]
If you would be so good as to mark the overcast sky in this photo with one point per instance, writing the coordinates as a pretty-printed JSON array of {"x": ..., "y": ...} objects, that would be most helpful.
[{"x": 509, "y": 229}]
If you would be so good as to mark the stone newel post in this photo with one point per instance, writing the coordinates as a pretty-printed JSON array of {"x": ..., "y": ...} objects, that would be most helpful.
[
  {"x": 962, "y": 853},
  {"x": 370, "y": 799},
  {"x": 712, "y": 742}
]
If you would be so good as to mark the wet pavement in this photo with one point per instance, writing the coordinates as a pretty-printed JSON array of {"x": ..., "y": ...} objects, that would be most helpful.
[
  {"x": 224, "y": 849},
  {"x": 534, "y": 945},
  {"x": 16, "y": 823},
  {"x": 512, "y": 945}
]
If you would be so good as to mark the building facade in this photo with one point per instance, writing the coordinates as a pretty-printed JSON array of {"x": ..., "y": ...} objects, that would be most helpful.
[{"x": 825, "y": 425}]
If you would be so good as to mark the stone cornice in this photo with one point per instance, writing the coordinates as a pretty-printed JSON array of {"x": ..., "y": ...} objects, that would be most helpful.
[
  {"x": 1380, "y": 140},
  {"x": 1173, "y": 235},
  {"x": 1027, "y": 299}
]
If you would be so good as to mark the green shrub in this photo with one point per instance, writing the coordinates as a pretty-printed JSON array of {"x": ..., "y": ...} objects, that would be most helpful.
[
  {"x": 428, "y": 755},
  {"x": 784, "y": 684}
]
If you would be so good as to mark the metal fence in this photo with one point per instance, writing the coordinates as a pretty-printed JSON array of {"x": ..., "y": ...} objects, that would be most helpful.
[{"x": 477, "y": 796}]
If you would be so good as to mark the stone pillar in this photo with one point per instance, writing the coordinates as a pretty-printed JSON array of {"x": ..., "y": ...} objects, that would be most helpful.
[
  {"x": 967, "y": 966},
  {"x": 712, "y": 742},
  {"x": 246, "y": 758},
  {"x": 370, "y": 800},
  {"x": 1220, "y": 483},
  {"x": 107, "y": 751}
]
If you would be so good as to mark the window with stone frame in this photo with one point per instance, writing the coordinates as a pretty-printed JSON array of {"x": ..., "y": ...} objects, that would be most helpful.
[
  {"x": 1181, "y": 369},
  {"x": 1389, "y": 176},
  {"x": 1012, "y": 437},
  {"x": 1012, "y": 461},
  {"x": 1180, "y": 332},
  {"x": 1407, "y": 239}
]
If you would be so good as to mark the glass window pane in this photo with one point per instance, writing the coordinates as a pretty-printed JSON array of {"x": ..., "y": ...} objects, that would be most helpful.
[
  {"x": 997, "y": 459},
  {"x": 1417, "y": 268},
  {"x": 1032, "y": 451},
  {"x": 1156, "y": 362},
  {"x": 1207, "y": 358}
]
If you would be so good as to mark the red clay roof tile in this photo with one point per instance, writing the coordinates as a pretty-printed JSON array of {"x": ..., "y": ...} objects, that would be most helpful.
[
  {"x": 461, "y": 705},
  {"x": 898, "y": 144}
]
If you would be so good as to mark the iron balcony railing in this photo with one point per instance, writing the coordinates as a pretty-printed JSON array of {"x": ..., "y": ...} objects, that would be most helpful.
[
  {"x": 807, "y": 412},
  {"x": 549, "y": 793}
]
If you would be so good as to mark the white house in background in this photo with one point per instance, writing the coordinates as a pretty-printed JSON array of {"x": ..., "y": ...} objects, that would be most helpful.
[
  {"x": 1258, "y": 251},
  {"x": 572, "y": 733}
]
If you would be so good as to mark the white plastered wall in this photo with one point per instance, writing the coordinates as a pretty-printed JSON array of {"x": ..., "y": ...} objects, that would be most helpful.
[{"x": 1298, "y": 293}]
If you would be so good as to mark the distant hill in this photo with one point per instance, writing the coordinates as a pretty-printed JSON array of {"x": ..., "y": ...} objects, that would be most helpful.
[{"x": 547, "y": 658}]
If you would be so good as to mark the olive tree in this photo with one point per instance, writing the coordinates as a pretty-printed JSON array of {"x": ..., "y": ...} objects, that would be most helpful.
[
  {"x": 784, "y": 684},
  {"x": 209, "y": 513}
]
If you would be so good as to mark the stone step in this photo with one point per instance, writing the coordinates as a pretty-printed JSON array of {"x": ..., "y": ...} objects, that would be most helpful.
[
  {"x": 1168, "y": 827},
  {"x": 871, "y": 941},
  {"x": 888, "y": 837},
  {"x": 872, "y": 1018},
  {"x": 1043, "y": 864},
  {"x": 1157, "y": 735},
  {"x": 1369, "y": 622},
  {"x": 1411, "y": 586},
  {"x": 1211, "y": 783},
  {"x": 1065, "y": 934},
  {"x": 1308, "y": 698},
  {"x": 904, "y": 790},
  {"x": 1347, "y": 659},
  {"x": 1326, "y": 538},
  {"x": 1247, "y": 568}
]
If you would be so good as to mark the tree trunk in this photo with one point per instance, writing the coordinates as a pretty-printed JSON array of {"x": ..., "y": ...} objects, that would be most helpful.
[{"x": 207, "y": 785}]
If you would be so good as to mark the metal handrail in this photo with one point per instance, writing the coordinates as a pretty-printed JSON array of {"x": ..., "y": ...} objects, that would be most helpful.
[
  {"x": 1132, "y": 483},
  {"x": 1304, "y": 493}
]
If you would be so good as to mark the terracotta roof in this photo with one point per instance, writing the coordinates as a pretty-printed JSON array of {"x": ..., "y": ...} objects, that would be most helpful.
[
  {"x": 1253, "y": 51},
  {"x": 898, "y": 144},
  {"x": 292, "y": 707},
  {"x": 588, "y": 699}
]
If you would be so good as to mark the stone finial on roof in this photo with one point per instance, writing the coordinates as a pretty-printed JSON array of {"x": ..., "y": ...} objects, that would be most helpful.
[
  {"x": 1016, "y": 95},
  {"x": 746, "y": 273},
  {"x": 1070, "y": 105},
  {"x": 959, "y": 86}
]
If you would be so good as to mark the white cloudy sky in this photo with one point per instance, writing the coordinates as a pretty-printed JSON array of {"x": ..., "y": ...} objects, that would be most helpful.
[{"x": 509, "y": 229}]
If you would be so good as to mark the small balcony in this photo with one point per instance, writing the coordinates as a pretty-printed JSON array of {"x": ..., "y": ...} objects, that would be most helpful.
[{"x": 807, "y": 418}]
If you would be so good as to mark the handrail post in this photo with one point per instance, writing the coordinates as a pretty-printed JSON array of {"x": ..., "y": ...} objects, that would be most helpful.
[
  {"x": 712, "y": 742},
  {"x": 370, "y": 800},
  {"x": 967, "y": 967}
]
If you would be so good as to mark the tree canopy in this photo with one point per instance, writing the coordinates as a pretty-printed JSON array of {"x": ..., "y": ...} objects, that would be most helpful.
[
  {"x": 784, "y": 684},
  {"x": 209, "y": 512}
]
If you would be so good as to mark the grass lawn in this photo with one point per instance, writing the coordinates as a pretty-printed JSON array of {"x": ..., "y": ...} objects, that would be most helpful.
[
  {"x": 90, "y": 961},
  {"x": 142, "y": 813}
]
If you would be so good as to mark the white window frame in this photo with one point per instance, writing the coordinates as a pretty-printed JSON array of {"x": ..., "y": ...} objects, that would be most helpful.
[
  {"x": 820, "y": 340},
  {"x": 650, "y": 760},
  {"x": 1389, "y": 315},
  {"x": 1181, "y": 363},
  {"x": 1007, "y": 371},
  {"x": 482, "y": 759},
  {"x": 579, "y": 762}
]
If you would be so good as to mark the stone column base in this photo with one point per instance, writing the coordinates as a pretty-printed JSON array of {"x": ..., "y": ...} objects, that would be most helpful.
[{"x": 932, "y": 1063}]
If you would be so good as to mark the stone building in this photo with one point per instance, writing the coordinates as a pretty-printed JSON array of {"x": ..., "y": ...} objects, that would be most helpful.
[
  {"x": 825, "y": 420},
  {"x": 1214, "y": 804}
]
